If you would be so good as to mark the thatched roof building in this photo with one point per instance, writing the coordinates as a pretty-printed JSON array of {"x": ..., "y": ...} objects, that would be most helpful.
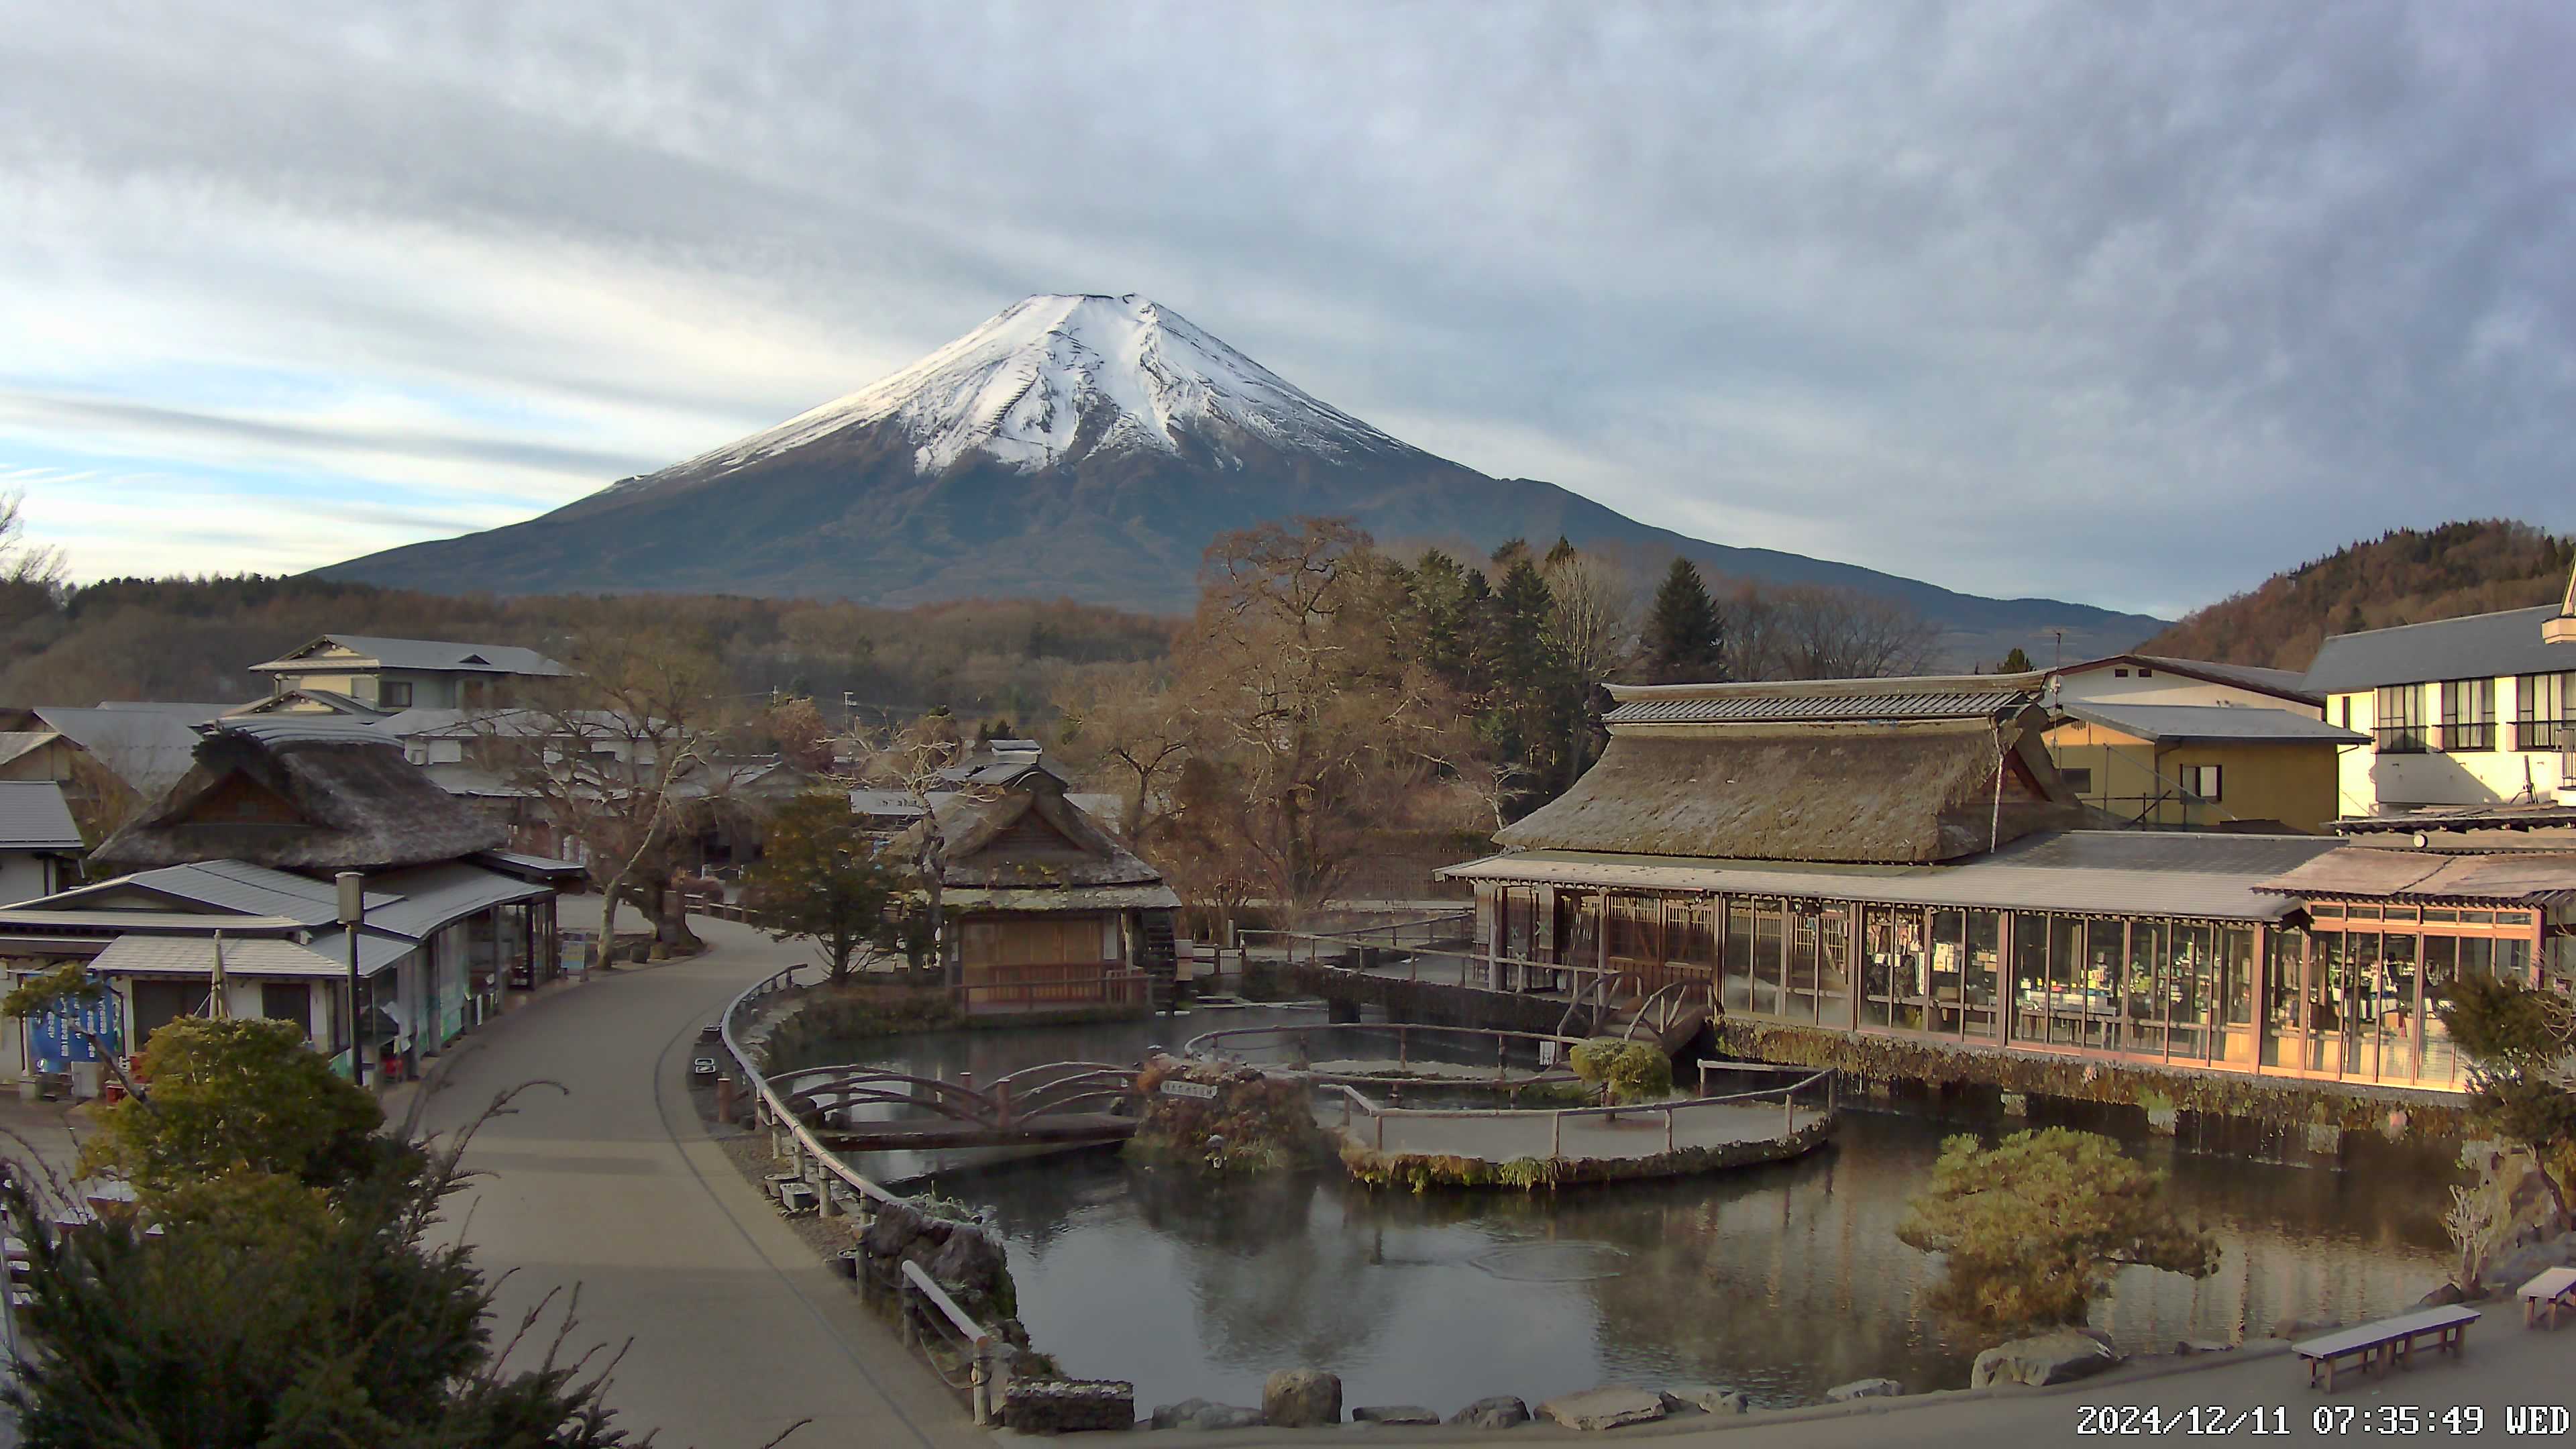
[
  {"x": 1899, "y": 771},
  {"x": 300, "y": 794}
]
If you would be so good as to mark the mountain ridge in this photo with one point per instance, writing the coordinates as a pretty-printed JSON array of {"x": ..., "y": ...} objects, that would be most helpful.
[{"x": 1090, "y": 446}]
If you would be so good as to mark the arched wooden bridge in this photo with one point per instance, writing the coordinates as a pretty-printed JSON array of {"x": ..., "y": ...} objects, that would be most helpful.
[{"x": 1059, "y": 1102}]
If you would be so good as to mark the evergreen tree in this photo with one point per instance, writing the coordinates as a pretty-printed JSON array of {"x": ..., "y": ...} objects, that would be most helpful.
[
  {"x": 2016, "y": 662},
  {"x": 1536, "y": 697},
  {"x": 1685, "y": 634}
]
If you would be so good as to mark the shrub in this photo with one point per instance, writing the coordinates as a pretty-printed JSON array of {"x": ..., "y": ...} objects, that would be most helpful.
[
  {"x": 1626, "y": 1071},
  {"x": 2034, "y": 1227}
]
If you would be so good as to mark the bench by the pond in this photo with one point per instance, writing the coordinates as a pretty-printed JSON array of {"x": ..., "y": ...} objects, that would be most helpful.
[
  {"x": 2543, "y": 1296},
  {"x": 2390, "y": 1340}
]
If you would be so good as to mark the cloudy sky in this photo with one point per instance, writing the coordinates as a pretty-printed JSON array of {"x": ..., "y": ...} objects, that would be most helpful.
[{"x": 2125, "y": 304}]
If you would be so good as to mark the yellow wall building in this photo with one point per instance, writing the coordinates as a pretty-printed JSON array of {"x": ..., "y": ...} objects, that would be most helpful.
[{"x": 2201, "y": 767}]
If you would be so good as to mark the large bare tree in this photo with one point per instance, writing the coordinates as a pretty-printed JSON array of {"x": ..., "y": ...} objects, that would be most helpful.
[
  {"x": 1315, "y": 722},
  {"x": 621, "y": 755}
]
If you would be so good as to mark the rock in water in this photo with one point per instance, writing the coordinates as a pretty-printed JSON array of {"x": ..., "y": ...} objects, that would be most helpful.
[
  {"x": 1604, "y": 1408},
  {"x": 2050, "y": 1358},
  {"x": 1704, "y": 1399},
  {"x": 1301, "y": 1399},
  {"x": 1201, "y": 1414},
  {"x": 1394, "y": 1414},
  {"x": 1499, "y": 1412},
  {"x": 1863, "y": 1389}
]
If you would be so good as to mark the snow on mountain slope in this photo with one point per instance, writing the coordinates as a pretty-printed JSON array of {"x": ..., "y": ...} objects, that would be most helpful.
[{"x": 1055, "y": 378}]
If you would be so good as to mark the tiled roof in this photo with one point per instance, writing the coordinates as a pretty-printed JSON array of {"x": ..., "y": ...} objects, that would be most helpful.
[
  {"x": 1734, "y": 709},
  {"x": 2481, "y": 646}
]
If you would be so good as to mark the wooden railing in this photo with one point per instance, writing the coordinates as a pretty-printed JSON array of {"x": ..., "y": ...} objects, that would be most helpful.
[
  {"x": 826, "y": 1171},
  {"x": 1235, "y": 1043},
  {"x": 1102, "y": 988}
]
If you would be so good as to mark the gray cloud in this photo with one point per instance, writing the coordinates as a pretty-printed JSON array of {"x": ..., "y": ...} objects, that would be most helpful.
[{"x": 2131, "y": 304}]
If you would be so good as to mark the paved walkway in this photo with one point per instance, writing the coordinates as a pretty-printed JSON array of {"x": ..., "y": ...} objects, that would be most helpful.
[{"x": 735, "y": 1329}]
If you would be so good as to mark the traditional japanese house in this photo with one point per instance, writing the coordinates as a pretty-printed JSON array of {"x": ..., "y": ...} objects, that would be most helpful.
[
  {"x": 229, "y": 888},
  {"x": 1043, "y": 906},
  {"x": 1900, "y": 858}
]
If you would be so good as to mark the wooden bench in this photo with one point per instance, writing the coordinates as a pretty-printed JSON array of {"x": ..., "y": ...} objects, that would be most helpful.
[
  {"x": 2543, "y": 1296},
  {"x": 2390, "y": 1340}
]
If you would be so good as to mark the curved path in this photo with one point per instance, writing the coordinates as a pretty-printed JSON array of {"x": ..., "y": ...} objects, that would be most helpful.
[{"x": 736, "y": 1329}]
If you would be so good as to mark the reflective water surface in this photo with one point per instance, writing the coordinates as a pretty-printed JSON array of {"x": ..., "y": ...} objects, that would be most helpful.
[{"x": 1781, "y": 1281}]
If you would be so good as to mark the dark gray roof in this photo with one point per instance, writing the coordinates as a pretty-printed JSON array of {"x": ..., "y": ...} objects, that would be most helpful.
[
  {"x": 429, "y": 897},
  {"x": 434, "y": 654},
  {"x": 2085, "y": 872},
  {"x": 300, "y": 728},
  {"x": 226, "y": 885},
  {"x": 2481, "y": 646},
  {"x": 148, "y": 749},
  {"x": 34, "y": 817},
  {"x": 2166, "y": 723},
  {"x": 1753, "y": 707}
]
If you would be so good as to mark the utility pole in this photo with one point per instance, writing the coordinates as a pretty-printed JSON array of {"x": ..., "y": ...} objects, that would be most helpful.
[
  {"x": 353, "y": 916},
  {"x": 2058, "y": 661}
]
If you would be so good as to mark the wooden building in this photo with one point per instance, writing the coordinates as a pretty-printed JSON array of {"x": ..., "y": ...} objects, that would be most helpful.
[
  {"x": 1895, "y": 857},
  {"x": 228, "y": 887},
  {"x": 1044, "y": 907}
]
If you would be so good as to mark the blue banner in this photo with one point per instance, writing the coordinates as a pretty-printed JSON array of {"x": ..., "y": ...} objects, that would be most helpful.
[{"x": 54, "y": 1039}]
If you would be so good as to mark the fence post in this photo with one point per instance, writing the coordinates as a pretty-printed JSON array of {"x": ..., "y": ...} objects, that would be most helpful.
[
  {"x": 1556, "y": 1133},
  {"x": 1832, "y": 1080},
  {"x": 1668, "y": 1129},
  {"x": 1789, "y": 1113},
  {"x": 1403, "y": 1056},
  {"x": 1380, "y": 1119}
]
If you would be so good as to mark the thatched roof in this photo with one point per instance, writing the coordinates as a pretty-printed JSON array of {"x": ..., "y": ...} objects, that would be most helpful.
[
  {"x": 300, "y": 796},
  {"x": 1027, "y": 836},
  {"x": 1899, "y": 791}
]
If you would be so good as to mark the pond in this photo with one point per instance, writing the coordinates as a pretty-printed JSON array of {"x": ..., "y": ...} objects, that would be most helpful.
[{"x": 1781, "y": 1281}]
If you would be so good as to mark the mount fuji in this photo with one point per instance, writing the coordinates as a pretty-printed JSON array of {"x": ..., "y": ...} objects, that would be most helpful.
[{"x": 1088, "y": 447}]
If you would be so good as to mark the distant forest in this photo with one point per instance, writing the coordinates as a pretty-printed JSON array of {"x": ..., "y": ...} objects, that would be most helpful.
[
  {"x": 191, "y": 639},
  {"x": 2406, "y": 576}
]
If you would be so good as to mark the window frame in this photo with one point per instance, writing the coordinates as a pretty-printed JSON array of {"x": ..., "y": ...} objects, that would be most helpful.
[
  {"x": 2468, "y": 716},
  {"x": 2396, "y": 730}
]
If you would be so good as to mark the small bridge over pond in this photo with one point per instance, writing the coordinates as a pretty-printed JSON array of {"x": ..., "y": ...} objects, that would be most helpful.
[{"x": 875, "y": 1109}]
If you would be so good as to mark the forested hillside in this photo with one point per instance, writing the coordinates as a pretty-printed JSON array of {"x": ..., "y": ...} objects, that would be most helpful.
[
  {"x": 2406, "y": 576},
  {"x": 189, "y": 639}
]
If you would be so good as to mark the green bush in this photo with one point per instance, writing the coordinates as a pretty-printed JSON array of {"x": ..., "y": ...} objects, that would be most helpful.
[{"x": 1627, "y": 1071}]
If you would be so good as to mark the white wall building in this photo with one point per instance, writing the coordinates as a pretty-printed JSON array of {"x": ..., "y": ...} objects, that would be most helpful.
[{"x": 2461, "y": 712}]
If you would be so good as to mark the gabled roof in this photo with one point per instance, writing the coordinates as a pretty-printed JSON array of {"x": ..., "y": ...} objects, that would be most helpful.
[
  {"x": 1029, "y": 837},
  {"x": 329, "y": 700},
  {"x": 2213, "y": 723},
  {"x": 148, "y": 749},
  {"x": 2287, "y": 684},
  {"x": 14, "y": 743},
  {"x": 195, "y": 956},
  {"x": 34, "y": 817},
  {"x": 332, "y": 795},
  {"x": 2480, "y": 646},
  {"x": 374, "y": 651}
]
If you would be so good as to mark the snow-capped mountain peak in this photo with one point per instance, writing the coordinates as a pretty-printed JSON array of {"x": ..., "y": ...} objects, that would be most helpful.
[{"x": 1054, "y": 378}]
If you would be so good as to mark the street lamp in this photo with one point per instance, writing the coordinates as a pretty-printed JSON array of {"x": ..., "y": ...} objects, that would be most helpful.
[{"x": 353, "y": 915}]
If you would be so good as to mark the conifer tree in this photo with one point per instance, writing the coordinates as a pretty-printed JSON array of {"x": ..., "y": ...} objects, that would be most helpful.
[
  {"x": 2016, "y": 662},
  {"x": 1685, "y": 635}
]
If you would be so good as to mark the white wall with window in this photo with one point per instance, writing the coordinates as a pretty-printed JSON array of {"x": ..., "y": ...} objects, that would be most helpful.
[{"x": 2472, "y": 741}]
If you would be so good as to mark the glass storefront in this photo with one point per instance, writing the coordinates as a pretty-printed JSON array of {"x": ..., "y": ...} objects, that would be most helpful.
[{"x": 2355, "y": 993}]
